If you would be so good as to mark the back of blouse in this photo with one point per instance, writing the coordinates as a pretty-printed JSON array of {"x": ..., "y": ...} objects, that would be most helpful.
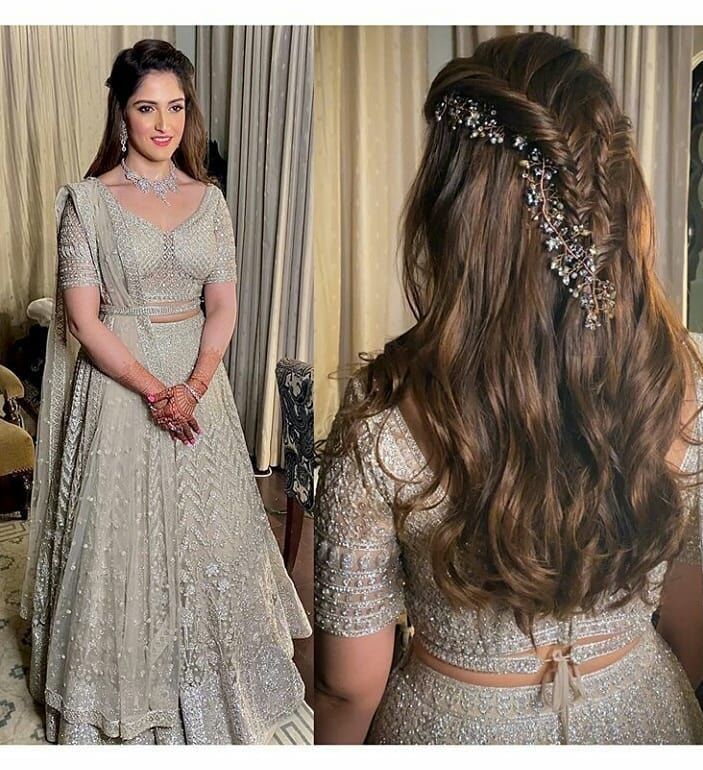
[{"x": 365, "y": 575}]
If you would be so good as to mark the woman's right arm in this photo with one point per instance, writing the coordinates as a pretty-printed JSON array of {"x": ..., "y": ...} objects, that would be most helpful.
[
  {"x": 358, "y": 590},
  {"x": 350, "y": 677},
  {"x": 105, "y": 349},
  {"x": 80, "y": 283}
]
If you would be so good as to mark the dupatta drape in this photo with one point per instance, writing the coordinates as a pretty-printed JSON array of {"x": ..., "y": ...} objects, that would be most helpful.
[{"x": 101, "y": 581}]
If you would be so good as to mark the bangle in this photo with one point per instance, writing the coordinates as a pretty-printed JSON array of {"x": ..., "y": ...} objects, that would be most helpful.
[
  {"x": 192, "y": 392},
  {"x": 151, "y": 397},
  {"x": 200, "y": 382}
]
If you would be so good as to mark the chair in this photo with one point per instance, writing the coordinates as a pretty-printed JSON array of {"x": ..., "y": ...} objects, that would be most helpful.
[
  {"x": 295, "y": 388},
  {"x": 16, "y": 451}
]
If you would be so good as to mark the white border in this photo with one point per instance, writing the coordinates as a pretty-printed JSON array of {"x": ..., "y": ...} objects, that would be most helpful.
[{"x": 431, "y": 12}]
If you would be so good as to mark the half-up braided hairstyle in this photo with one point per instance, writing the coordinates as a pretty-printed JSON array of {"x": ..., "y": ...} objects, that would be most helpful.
[{"x": 550, "y": 438}]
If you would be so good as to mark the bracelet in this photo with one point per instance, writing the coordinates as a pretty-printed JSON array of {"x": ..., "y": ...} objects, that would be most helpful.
[
  {"x": 201, "y": 382},
  {"x": 192, "y": 392},
  {"x": 168, "y": 395}
]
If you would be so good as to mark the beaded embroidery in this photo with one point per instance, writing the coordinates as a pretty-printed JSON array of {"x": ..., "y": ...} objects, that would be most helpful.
[{"x": 365, "y": 576}]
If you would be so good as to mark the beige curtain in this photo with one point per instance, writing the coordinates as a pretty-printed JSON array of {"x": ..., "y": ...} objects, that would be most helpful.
[
  {"x": 650, "y": 68},
  {"x": 259, "y": 102},
  {"x": 52, "y": 110},
  {"x": 370, "y": 84}
]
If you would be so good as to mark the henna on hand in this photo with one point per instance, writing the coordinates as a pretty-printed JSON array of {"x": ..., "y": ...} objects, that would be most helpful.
[
  {"x": 172, "y": 409},
  {"x": 181, "y": 403},
  {"x": 204, "y": 370},
  {"x": 183, "y": 432},
  {"x": 138, "y": 379}
]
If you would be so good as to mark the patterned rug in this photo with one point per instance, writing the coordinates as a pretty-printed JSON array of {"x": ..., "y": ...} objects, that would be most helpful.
[{"x": 20, "y": 717}]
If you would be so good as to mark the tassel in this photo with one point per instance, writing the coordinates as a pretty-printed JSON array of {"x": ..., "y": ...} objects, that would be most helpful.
[{"x": 567, "y": 679}]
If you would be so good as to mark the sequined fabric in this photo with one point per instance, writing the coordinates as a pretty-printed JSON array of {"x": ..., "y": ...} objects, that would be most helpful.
[
  {"x": 161, "y": 610},
  {"x": 173, "y": 265},
  {"x": 365, "y": 576},
  {"x": 644, "y": 698}
]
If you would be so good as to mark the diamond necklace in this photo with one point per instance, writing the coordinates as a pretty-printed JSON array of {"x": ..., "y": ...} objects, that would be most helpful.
[{"x": 158, "y": 186}]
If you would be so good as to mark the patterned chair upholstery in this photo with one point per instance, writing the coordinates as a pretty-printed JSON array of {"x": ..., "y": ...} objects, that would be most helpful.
[
  {"x": 295, "y": 388},
  {"x": 26, "y": 359},
  {"x": 16, "y": 450}
]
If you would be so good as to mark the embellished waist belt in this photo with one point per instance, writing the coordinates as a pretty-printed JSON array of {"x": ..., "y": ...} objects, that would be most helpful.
[{"x": 156, "y": 308}]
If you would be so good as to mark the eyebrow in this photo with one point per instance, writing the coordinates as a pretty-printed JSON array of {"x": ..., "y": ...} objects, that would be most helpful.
[{"x": 149, "y": 101}]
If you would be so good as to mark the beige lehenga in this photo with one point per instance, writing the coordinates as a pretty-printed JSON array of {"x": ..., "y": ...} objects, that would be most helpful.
[
  {"x": 366, "y": 575},
  {"x": 161, "y": 610}
]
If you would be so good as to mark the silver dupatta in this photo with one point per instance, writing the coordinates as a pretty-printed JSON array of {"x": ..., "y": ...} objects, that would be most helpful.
[{"x": 104, "y": 629}]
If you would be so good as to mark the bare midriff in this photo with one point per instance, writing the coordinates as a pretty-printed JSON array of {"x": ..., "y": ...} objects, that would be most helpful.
[
  {"x": 177, "y": 315},
  {"x": 174, "y": 316},
  {"x": 545, "y": 673}
]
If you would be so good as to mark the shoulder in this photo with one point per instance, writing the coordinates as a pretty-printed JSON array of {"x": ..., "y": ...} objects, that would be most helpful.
[
  {"x": 79, "y": 190},
  {"x": 356, "y": 392},
  {"x": 695, "y": 348},
  {"x": 76, "y": 204},
  {"x": 75, "y": 198},
  {"x": 79, "y": 184},
  {"x": 697, "y": 338},
  {"x": 373, "y": 440},
  {"x": 184, "y": 180},
  {"x": 217, "y": 196}
]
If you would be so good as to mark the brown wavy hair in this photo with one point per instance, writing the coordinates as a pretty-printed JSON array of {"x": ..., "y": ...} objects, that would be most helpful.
[
  {"x": 549, "y": 438},
  {"x": 130, "y": 67}
]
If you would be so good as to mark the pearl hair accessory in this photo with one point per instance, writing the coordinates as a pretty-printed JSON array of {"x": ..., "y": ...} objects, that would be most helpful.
[{"x": 572, "y": 256}]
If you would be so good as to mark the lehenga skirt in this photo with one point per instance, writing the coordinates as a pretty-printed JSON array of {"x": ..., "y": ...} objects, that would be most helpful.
[
  {"x": 163, "y": 612},
  {"x": 644, "y": 698}
]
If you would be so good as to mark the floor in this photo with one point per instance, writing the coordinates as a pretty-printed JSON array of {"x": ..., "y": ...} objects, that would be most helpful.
[{"x": 272, "y": 492}]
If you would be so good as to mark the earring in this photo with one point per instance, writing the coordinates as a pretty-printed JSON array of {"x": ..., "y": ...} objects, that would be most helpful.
[{"x": 123, "y": 136}]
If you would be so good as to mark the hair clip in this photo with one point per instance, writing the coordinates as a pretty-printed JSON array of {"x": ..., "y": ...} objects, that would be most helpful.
[{"x": 571, "y": 253}]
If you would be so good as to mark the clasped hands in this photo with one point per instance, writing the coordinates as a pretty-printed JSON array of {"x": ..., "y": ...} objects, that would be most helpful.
[{"x": 172, "y": 409}]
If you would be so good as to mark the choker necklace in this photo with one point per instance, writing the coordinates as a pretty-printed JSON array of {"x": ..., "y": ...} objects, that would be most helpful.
[{"x": 158, "y": 186}]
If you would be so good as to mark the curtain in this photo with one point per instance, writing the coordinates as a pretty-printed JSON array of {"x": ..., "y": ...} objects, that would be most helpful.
[
  {"x": 260, "y": 104},
  {"x": 370, "y": 84},
  {"x": 650, "y": 69},
  {"x": 52, "y": 110}
]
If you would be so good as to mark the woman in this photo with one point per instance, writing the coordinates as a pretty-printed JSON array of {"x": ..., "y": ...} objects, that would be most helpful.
[
  {"x": 161, "y": 610},
  {"x": 507, "y": 470}
]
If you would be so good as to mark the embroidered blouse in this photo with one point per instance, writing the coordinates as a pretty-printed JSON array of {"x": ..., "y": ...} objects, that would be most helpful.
[
  {"x": 365, "y": 575},
  {"x": 171, "y": 266}
]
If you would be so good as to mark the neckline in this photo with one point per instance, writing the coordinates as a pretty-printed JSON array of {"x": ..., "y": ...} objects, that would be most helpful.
[{"x": 200, "y": 207}]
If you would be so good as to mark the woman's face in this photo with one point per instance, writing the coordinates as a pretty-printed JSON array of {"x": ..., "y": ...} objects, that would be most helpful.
[{"x": 156, "y": 111}]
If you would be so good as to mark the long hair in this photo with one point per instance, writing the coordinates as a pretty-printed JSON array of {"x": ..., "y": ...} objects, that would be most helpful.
[
  {"x": 549, "y": 438},
  {"x": 128, "y": 70}
]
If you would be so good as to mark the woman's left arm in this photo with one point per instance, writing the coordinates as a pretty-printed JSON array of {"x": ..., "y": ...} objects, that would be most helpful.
[
  {"x": 681, "y": 605},
  {"x": 681, "y": 613},
  {"x": 220, "y": 301},
  {"x": 220, "y": 320},
  {"x": 220, "y": 314}
]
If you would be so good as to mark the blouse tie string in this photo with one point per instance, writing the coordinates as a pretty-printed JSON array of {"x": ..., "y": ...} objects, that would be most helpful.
[{"x": 567, "y": 679}]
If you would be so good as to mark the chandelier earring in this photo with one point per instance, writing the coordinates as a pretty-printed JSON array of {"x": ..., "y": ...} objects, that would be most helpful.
[{"x": 123, "y": 137}]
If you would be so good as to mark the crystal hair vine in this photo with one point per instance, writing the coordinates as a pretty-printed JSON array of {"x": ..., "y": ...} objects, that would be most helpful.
[{"x": 572, "y": 255}]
